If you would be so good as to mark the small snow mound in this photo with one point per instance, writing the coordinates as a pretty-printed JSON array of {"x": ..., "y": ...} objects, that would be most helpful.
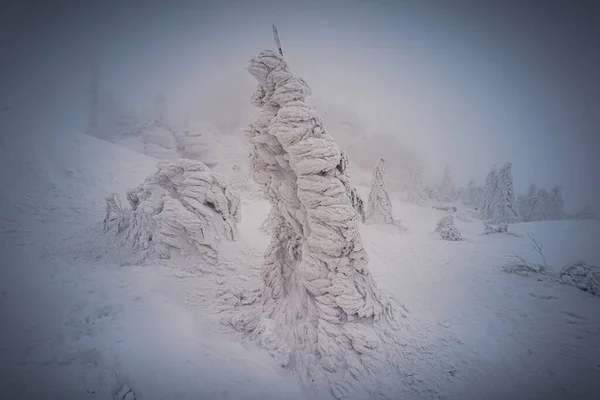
[
  {"x": 585, "y": 277},
  {"x": 183, "y": 206},
  {"x": 446, "y": 229}
]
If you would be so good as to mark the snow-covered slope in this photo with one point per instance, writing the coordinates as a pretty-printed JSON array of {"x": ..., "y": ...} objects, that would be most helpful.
[{"x": 76, "y": 326}]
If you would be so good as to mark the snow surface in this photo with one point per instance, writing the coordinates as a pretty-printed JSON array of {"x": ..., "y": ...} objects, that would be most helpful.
[{"x": 73, "y": 326}]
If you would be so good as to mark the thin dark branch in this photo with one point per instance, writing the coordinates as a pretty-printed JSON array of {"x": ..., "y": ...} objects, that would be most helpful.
[{"x": 277, "y": 41}]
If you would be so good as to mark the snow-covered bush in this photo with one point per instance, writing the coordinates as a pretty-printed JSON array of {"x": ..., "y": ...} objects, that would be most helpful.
[
  {"x": 490, "y": 228},
  {"x": 379, "y": 206},
  {"x": 585, "y": 277},
  {"x": 444, "y": 208},
  {"x": 523, "y": 268},
  {"x": 446, "y": 229},
  {"x": 319, "y": 310},
  {"x": 184, "y": 206}
]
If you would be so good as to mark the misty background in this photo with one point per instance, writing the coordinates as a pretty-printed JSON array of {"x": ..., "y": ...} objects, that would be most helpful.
[{"x": 465, "y": 83}]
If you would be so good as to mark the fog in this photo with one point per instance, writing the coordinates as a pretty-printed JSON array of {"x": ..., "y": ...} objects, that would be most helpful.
[{"x": 459, "y": 82}]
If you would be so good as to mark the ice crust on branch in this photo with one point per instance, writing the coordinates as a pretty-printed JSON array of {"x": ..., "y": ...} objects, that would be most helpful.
[
  {"x": 183, "y": 206},
  {"x": 319, "y": 310}
]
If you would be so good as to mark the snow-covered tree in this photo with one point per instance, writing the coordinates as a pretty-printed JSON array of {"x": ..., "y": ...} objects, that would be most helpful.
[
  {"x": 557, "y": 204},
  {"x": 489, "y": 196},
  {"x": 505, "y": 210},
  {"x": 447, "y": 191},
  {"x": 474, "y": 194},
  {"x": 415, "y": 189},
  {"x": 184, "y": 206},
  {"x": 446, "y": 229},
  {"x": 379, "y": 207},
  {"x": 319, "y": 311}
]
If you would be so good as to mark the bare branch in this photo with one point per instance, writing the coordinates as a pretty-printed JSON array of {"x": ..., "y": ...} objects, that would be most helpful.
[{"x": 539, "y": 249}]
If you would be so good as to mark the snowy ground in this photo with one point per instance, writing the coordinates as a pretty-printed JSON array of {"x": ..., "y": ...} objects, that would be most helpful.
[{"x": 75, "y": 325}]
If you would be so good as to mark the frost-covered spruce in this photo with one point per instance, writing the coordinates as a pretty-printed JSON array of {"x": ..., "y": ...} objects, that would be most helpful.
[
  {"x": 446, "y": 229},
  {"x": 379, "y": 207},
  {"x": 183, "y": 206},
  {"x": 505, "y": 209},
  {"x": 319, "y": 311},
  {"x": 447, "y": 191},
  {"x": 490, "y": 196},
  {"x": 415, "y": 191}
]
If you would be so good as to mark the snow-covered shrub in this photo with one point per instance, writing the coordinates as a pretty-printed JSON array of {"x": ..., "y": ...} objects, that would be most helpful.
[
  {"x": 446, "y": 229},
  {"x": 489, "y": 228},
  {"x": 379, "y": 206},
  {"x": 585, "y": 277},
  {"x": 523, "y": 269},
  {"x": 444, "y": 208},
  {"x": 184, "y": 205},
  {"x": 319, "y": 310}
]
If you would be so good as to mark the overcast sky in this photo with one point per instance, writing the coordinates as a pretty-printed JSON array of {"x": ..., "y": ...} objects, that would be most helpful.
[{"x": 470, "y": 83}]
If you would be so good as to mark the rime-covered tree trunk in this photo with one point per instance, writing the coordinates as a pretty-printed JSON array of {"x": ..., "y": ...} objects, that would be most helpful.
[{"x": 320, "y": 311}]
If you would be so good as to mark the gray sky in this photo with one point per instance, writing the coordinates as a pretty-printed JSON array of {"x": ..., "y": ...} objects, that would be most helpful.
[{"x": 470, "y": 83}]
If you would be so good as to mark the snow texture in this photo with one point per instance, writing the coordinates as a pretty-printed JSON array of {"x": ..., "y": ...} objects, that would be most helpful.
[
  {"x": 184, "y": 204},
  {"x": 585, "y": 277},
  {"x": 319, "y": 311},
  {"x": 446, "y": 229},
  {"x": 239, "y": 180}
]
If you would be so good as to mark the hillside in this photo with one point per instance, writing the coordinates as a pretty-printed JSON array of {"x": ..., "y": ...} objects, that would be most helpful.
[{"x": 80, "y": 326}]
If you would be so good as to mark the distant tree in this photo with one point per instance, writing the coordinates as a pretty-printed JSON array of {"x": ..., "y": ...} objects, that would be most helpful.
[
  {"x": 557, "y": 204},
  {"x": 415, "y": 189},
  {"x": 505, "y": 210},
  {"x": 474, "y": 194},
  {"x": 490, "y": 195},
  {"x": 379, "y": 207},
  {"x": 447, "y": 192}
]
